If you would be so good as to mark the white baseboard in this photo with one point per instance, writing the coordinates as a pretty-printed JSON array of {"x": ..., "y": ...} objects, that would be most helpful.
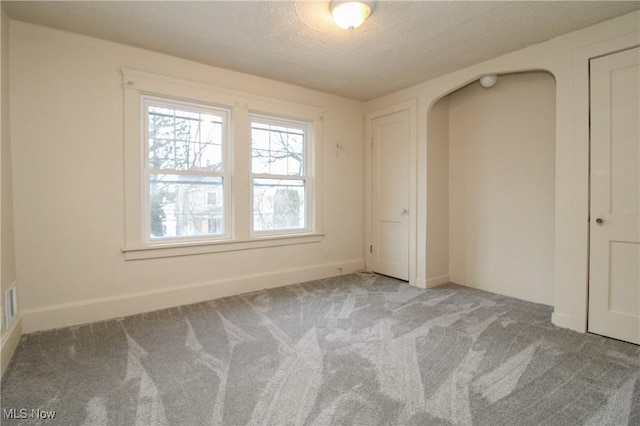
[
  {"x": 10, "y": 340},
  {"x": 419, "y": 283},
  {"x": 561, "y": 320},
  {"x": 432, "y": 282},
  {"x": 68, "y": 314}
]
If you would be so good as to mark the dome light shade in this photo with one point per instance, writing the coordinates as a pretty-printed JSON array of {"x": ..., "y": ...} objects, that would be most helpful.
[
  {"x": 350, "y": 14},
  {"x": 488, "y": 80}
]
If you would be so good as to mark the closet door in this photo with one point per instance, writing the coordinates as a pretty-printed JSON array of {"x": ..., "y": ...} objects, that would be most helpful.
[
  {"x": 614, "y": 271},
  {"x": 389, "y": 251}
]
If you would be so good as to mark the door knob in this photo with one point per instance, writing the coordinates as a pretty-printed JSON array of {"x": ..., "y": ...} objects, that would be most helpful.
[
  {"x": 404, "y": 211},
  {"x": 599, "y": 221}
]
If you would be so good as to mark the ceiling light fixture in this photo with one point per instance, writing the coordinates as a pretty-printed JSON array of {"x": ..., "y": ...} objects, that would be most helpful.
[
  {"x": 350, "y": 14},
  {"x": 488, "y": 80}
]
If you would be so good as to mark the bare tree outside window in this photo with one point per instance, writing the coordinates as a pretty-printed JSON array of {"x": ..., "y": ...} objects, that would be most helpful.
[
  {"x": 279, "y": 176},
  {"x": 211, "y": 171},
  {"x": 185, "y": 162}
]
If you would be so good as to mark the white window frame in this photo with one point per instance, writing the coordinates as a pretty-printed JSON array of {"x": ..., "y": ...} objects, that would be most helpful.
[
  {"x": 225, "y": 113},
  {"x": 238, "y": 222},
  {"x": 307, "y": 177}
]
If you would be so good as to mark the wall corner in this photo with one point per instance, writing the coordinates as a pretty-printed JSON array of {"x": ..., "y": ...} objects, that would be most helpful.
[{"x": 10, "y": 340}]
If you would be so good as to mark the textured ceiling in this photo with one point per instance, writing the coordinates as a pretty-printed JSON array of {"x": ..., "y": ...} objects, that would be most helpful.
[{"x": 401, "y": 44}]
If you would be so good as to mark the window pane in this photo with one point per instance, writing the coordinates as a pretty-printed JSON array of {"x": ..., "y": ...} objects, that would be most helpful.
[
  {"x": 278, "y": 204},
  {"x": 161, "y": 123},
  {"x": 295, "y": 165},
  {"x": 198, "y": 156},
  {"x": 296, "y": 143},
  {"x": 184, "y": 140},
  {"x": 182, "y": 205},
  {"x": 211, "y": 129},
  {"x": 161, "y": 153},
  {"x": 278, "y": 163},
  {"x": 260, "y": 161},
  {"x": 260, "y": 138},
  {"x": 277, "y": 150}
]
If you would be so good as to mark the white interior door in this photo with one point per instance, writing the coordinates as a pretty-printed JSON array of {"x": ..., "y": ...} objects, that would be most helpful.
[
  {"x": 614, "y": 271},
  {"x": 389, "y": 251}
]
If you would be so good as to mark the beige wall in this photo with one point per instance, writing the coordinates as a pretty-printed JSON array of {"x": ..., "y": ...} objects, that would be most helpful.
[
  {"x": 66, "y": 118},
  {"x": 67, "y": 122},
  {"x": 501, "y": 177},
  {"x": 8, "y": 258},
  {"x": 10, "y": 332},
  {"x": 438, "y": 194},
  {"x": 567, "y": 58}
]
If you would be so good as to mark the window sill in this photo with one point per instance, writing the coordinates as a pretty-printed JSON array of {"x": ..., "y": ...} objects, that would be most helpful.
[{"x": 193, "y": 248}]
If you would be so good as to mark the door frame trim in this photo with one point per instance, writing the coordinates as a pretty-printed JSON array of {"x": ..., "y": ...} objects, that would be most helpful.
[
  {"x": 578, "y": 245},
  {"x": 589, "y": 195},
  {"x": 412, "y": 107}
]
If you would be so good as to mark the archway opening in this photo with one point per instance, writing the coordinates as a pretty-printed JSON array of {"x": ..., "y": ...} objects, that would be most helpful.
[{"x": 491, "y": 186}]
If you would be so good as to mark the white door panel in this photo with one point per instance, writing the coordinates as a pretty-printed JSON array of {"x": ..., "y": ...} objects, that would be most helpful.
[
  {"x": 614, "y": 264},
  {"x": 390, "y": 195}
]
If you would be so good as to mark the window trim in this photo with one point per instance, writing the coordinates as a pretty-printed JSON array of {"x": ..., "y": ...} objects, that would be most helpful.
[
  {"x": 307, "y": 176},
  {"x": 149, "y": 100},
  {"x": 205, "y": 247},
  {"x": 137, "y": 84}
]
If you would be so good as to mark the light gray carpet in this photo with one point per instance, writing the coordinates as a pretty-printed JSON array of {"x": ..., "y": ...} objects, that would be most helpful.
[{"x": 339, "y": 351}]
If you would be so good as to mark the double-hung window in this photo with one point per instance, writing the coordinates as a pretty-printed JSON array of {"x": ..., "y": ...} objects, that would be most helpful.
[
  {"x": 281, "y": 184},
  {"x": 209, "y": 169},
  {"x": 185, "y": 175}
]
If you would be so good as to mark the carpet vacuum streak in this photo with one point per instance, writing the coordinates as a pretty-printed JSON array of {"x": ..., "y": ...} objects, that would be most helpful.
[{"x": 339, "y": 351}]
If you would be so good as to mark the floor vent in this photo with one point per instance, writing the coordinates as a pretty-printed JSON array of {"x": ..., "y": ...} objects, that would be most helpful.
[{"x": 10, "y": 305}]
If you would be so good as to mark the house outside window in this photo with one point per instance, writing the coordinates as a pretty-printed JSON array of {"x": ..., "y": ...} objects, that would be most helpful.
[
  {"x": 281, "y": 184},
  {"x": 210, "y": 169},
  {"x": 186, "y": 149}
]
